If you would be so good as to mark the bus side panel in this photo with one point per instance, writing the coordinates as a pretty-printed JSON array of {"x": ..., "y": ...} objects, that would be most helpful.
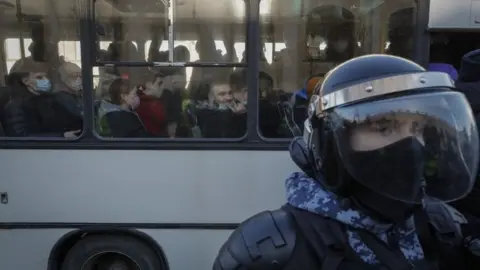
[
  {"x": 28, "y": 249},
  {"x": 190, "y": 249},
  {"x": 459, "y": 14},
  {"x": 129, "y": 186}
]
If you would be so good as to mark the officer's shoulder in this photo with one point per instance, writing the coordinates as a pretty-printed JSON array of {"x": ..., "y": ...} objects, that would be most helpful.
[
  {"x": 264, "y": 241},
  {"x": 446, "y": 221}
]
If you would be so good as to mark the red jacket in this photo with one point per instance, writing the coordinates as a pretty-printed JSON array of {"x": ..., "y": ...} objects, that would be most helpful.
[{"x": 152, "y": 113}]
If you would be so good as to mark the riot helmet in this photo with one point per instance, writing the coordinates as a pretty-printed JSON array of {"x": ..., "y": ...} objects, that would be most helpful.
[{"x": 385, "y": 123}]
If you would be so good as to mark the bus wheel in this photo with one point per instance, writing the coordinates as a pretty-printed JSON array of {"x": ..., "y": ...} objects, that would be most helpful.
[{"x": 111, "y": 252}]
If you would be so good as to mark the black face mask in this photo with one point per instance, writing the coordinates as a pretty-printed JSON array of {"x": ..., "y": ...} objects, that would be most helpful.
[
  {"x": 382, "y": 208},
  {"x": 400, "y": 166}
]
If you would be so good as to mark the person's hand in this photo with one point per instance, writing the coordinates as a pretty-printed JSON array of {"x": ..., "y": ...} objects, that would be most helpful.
[
  {"x": 72, "y": 134},
  {"x": 238, "y": 108}
]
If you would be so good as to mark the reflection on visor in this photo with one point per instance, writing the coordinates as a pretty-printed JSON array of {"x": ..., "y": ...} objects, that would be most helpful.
[{"x": 410, "y": 148}]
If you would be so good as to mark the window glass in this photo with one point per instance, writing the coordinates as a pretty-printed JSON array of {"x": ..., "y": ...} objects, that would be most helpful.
[
  {"x": 190, "y": 48},
  {"x": 216, "y": 26},
  {"x": 12, "y": 50},
  {"x": 45, "y": 79},
  {"x": 311, "y": 38},
  {"x": 191, "y": 102},
  {"x": 96, "y": 70},
  {"x": 163, "y": 106}
]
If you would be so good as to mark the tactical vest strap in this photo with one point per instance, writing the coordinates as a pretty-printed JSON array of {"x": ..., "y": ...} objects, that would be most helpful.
[
  {"x": 331, "y": 250},
  {"x": 392, "y": 259},
  {"x": 427, "y": 241}
]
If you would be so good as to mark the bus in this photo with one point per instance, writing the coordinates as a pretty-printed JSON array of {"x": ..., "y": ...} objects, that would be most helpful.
[{"x": 99, "y": 201}]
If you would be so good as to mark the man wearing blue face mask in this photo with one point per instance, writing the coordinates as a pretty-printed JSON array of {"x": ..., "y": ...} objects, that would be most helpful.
[{"x": 33, "y": 111}]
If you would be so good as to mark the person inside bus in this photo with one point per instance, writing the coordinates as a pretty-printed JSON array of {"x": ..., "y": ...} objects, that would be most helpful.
[
  {"x": 34, "y": 111},
  {"x": 221, "y": 116},
  {"x": 287, "y": 69},
  {"x": 69, "y": 90},
  {"x": 117, "y": 118},
  {"x": 173, "y": 97},
  {"x": 269, "y": 115},
  {"x": 299, "y": 103},
  {"x": 341, "y": 42},
  {"x": 364, "y": 198},
  {"x": 336, "y": 26},
  {"x": 207, "y": 51},
  {"x": 401, "y": 29},
  {"x": 151, "y": 109}
]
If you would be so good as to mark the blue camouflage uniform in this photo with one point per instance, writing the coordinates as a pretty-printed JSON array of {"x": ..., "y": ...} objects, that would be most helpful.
[{"x": 305, "y": 193}]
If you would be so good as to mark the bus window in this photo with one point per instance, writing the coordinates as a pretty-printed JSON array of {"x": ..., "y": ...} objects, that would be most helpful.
[
  {"x": 239, "y": 50},
  {"x": 214, "y": 34},
  {"x": 12, "y": 50},
  {"x": 193, "y": 56},
  {"x": 401, "y": 28},
  {"x": 70, "y": 50},
  {"x": 269, "y": 50},
  {"x": 176, "y": 102},
  {"x": 44, "y": 79},
  {"x": 315, "y": 40},
  {"x": 96, "y": 70}
]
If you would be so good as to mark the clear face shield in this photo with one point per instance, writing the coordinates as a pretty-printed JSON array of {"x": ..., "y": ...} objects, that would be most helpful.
[{"x": 416, "y": 147}]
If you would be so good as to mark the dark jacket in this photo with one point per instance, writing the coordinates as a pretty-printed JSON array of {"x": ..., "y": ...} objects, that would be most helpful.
[
  {"x": 217, "y": 122},
  {"x": 71, "y": 102},
  {"x": 114, "y": 121},
  {"x": 469, "y": 79},
  {"x": 469, "y": 84},
  {"x": 173, "y": 102},
  {"x": 41, "y": 116}
]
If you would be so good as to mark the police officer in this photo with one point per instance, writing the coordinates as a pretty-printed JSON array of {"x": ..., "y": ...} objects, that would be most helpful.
[{"x": 368, "y": 197}]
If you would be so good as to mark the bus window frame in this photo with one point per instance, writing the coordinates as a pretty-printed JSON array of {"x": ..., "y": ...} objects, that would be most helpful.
[
  {"x": 253, "y": 140},
  {"x": 88, "y": 102}
]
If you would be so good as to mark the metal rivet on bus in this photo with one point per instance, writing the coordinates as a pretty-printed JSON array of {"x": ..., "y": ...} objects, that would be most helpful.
[
  {"x": 423, "y": 80},
  {"x": 369, "y": 88}
]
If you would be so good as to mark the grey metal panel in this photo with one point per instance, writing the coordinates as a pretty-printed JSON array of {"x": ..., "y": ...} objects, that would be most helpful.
[
  {"x": 140, "y": 186},
  {"x": 27, "y": 249},
  {"x": 454, "y": 14},
  {"x": 185, "y": 249},
  {"x": 190, "y": 249}
]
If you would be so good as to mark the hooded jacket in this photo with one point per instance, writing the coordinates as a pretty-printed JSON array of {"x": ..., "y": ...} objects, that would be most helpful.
[
  {"x": 114, "y": 121},
  {"x": 469, "y": 79},
  {"x": 468, "y": 83}
]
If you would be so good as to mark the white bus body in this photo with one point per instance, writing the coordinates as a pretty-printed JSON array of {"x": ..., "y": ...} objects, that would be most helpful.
[{"x": 167, "y": 188}]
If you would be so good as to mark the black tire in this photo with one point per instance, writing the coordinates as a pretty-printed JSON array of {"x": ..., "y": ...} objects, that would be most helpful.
[{"x": 90, "y": 246}]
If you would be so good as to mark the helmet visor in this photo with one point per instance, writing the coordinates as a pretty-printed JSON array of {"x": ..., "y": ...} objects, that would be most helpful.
[{"x": 410, "y": 148}]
